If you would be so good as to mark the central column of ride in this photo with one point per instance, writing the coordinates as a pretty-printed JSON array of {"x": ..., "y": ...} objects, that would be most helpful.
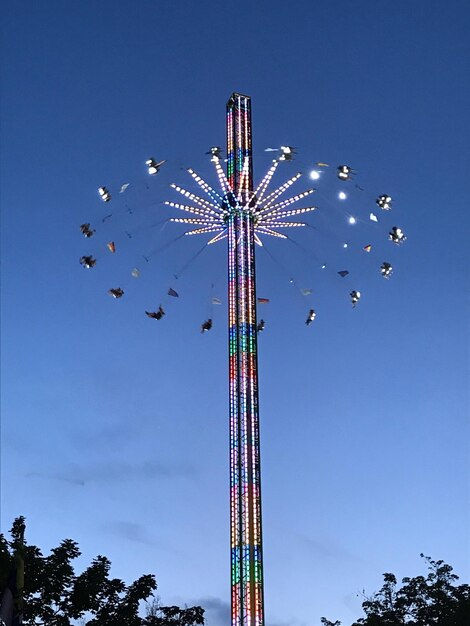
[{"x": 245, "y": 473}]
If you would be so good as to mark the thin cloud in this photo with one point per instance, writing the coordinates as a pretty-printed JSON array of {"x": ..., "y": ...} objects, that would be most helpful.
[
  {"x": 129, "y": 531},
  {"x": 326, "y": 548},
  {"x": 116, "y": 432},
  {"x": 116, "y": 472},
  {"x": 58, "y": 477}
]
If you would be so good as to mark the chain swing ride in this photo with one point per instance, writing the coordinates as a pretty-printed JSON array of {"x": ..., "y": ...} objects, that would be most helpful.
[{"x": 243, "y": 215}]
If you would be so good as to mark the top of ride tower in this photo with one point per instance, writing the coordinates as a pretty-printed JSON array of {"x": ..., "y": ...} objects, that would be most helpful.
[{"x": 236, "y": 95}]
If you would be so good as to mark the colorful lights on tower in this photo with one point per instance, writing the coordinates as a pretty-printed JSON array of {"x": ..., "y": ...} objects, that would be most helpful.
[
  {"x": 242, "y": 214},
  {"x": 245, "y": 471}
]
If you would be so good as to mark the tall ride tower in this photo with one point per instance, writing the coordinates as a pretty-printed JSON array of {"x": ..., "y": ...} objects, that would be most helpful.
[
  {"x": 245, "y": 474},
  {"x": 242, "y": 214}
]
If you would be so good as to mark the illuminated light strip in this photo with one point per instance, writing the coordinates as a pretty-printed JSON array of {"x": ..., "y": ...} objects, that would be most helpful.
[
  {"x": 268, "y": 231},
  {"x": 194, "y": 220},
  {"x": 230, "y": 153},
  {"x": 261, "y": 189},
  {"x": 250, "y": 402},
  {"x": 217, "y": 238},
  {"x": 256, "y": 503},
  {"x": 192, "y": 209},
  {"x": 202, "y": 231},
  {"x": 244, "y": 177},
  {"x": 253, "y": 390},
  {"x": 243, "y": 411},
  {"x": 204, "y": 203},
  {"x": 291, "y": 212},
  {"x": 242, "y": 148},
  {"x": 280, "y": 190},
  {"x": 281, "y": 205},
  {"x": 273, "y": 210},
  {"x": 210, "y": 221},
  {"x": 258, "y": 240},
  {"x": 234, "y": 438},
  {"x": 242, "y": 272},
  {"x": 248, "y": 151},
  {"x": 205, "y": 187},
  {"x": 283, "y": 224},
  {"x": 222, "y": 178},
  {"x": 238, "y": 145}
]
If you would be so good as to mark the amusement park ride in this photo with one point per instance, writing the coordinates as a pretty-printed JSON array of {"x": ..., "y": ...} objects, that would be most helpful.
[{"x": 242, "y": 213}]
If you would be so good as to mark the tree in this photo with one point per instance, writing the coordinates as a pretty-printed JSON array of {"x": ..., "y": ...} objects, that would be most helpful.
[
  {"x": 51, "y": 594},
  {"x": 434, "y": 600}
]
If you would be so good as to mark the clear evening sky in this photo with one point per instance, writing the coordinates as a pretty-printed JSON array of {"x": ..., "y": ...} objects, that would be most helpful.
[{"x": 115, "y": 426}]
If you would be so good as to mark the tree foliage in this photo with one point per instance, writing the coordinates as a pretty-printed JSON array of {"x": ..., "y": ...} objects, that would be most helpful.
[
  {"x": 52, "y": 594},
  {"x": 432, "y": 600}
]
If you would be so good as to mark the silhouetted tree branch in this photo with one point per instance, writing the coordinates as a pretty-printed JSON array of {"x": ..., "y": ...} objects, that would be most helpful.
[
  {"x": 432, "y": 600},
  {"x": 39, "y": 590}
]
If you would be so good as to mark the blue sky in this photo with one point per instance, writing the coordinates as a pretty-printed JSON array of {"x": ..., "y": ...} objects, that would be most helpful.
[{"x": 114, "y": 426}]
